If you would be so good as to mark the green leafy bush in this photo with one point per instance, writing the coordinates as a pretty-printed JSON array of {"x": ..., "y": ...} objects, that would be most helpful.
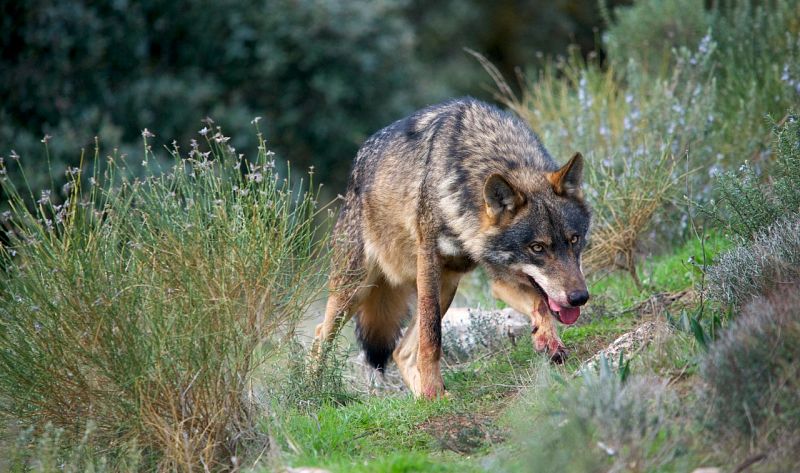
[
  {"x": 144, "y": 305},
  {"x": 747, "y": 206},
  {"x": 752, "y": 376}
]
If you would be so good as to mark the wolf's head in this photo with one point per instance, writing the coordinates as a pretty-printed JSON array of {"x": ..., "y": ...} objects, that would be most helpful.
[{"x": 535, "y": 232}]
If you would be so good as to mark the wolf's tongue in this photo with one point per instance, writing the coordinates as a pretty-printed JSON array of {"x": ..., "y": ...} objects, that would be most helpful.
[{"x": 567, "y": 315}]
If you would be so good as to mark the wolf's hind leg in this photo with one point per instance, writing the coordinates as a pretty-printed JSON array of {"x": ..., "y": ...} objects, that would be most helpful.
[
  {"x": 405, "y": 355},
  {"x": 380, "y": 320},
  {"x": 347, "y": 292},
  {"x": 527, "y": 301}
]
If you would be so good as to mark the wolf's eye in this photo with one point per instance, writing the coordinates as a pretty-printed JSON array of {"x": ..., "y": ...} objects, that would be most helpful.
[
  {"x": 574, "y": 239},
  {"x": 537, "y": 248}
]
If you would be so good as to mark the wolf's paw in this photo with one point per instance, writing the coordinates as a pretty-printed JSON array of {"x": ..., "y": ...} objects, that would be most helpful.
[
  {"x": 550, "y": 344},
  {"x": 432, "y": 387},
  {"x": 560, "y": 356}
]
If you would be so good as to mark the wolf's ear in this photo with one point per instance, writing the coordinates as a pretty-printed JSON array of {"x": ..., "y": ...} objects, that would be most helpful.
[
  {"x": 500, "y": 197},
  {"x": 567, "y": 180}
]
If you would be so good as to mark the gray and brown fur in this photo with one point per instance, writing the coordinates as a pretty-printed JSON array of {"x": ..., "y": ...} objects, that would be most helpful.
[{"x": 434, "y": 195}]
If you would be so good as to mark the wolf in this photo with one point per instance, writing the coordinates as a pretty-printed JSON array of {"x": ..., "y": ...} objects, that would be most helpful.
[{"x": 451, "y": 187}]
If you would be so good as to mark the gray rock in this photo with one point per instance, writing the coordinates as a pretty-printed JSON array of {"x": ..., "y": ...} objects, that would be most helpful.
[{"x": 468, "y": 331}]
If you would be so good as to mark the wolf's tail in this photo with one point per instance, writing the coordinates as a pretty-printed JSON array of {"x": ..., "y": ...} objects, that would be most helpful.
[
  {"x": 379, "y": 322},
  {"x": 377, "y": 350}
]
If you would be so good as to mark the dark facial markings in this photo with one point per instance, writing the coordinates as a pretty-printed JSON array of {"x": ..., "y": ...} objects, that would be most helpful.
[{"x": 543, "y": 233}]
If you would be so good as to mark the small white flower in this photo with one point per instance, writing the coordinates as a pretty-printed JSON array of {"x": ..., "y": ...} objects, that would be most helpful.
[
  {"x": 45, "y": 198},
  {"x": 255, "y": 120},
  {"x": 46, "y": 138},
  {"x": 204, "y": 131},
  {"x": 704, "y": 45},
  {"x": 147, "y": 134}
]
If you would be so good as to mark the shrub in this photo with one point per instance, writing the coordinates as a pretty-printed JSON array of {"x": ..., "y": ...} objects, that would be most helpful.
[
  {"x": 595, "y": 423},
  {"x": 747, "y": 205},
  {"x": 648, "y": 31},
  {"x": 757, "y": 65},
  {"x": 755, "y": 62},
  {"x": 761, "y": 266},
  {"x": 752, "y": 378},
  {"x": 45, "y": 452},
  {"x": 144, "y": 305},
  {"x": 323, "y": 73}
]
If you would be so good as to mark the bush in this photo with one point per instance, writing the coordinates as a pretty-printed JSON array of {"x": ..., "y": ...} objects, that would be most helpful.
[
  {"x": 45, "y": 452},
  {"x": 144, "y": 305},
  {"x": 596, "y": 423},
  {"x": 755, "y": 62},
  {"x": 756, "y": 268},
  {"x": 746, "y": 204},
  {"x": 648, "y": 31},
  {"x": 757, "y": 65},
  {"x": 752, "y": 378}
]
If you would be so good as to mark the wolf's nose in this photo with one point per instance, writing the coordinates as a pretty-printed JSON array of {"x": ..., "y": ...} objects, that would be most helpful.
[{"x": 576, "y": 298}]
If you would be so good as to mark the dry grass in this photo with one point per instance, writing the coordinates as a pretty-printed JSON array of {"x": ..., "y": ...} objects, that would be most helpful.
[{"x": 144, "y": 305}]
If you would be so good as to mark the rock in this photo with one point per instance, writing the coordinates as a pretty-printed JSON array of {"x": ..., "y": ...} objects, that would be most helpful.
[
  {"x": 467, "y": 331},
  {"x": 629, "y": 343}
]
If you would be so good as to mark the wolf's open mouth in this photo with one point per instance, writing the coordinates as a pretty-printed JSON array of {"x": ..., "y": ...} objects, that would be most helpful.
[{"x": 565, "y": 315}]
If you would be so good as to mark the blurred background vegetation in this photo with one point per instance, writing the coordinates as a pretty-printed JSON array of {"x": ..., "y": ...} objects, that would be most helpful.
[
  {"x": 194, "y": 268},
  {"x": 324, "y": 74}
]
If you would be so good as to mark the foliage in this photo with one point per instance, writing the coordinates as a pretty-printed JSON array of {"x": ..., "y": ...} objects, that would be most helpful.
[
  {"x": 596, "y": 423},
  {"x": 746, "y": 205},
  {"x": 755, "y": 58},
  {"x": 755, "y": 268},
  {"x": 757, "y": 62},
  {"x": 647, "y": 32},
  {"x": 45, "y": 452},
  {"x": 144, "y": 305},
  {"x": 317, "y": 70},
  {"x": 323, "y": 73},
  {"x": 752, "y": 376}
]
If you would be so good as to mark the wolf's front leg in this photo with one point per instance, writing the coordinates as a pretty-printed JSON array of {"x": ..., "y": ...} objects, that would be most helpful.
[
  {"x": 526, "y": 300},
  {"x": 429, "y": 322},
  {"x": 544, "y": 333}
]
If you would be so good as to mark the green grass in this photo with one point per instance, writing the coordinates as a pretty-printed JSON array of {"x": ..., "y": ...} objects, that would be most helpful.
[
  {"x": 399, "y": 433},
  {"x": 675, "y": 271},
  {"x": 377, "y": 432}
]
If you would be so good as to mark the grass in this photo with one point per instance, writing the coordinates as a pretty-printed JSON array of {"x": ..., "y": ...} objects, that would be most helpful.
[
  {"x": 143, "y": 305},
  {"x": 675, "y": 271}
]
